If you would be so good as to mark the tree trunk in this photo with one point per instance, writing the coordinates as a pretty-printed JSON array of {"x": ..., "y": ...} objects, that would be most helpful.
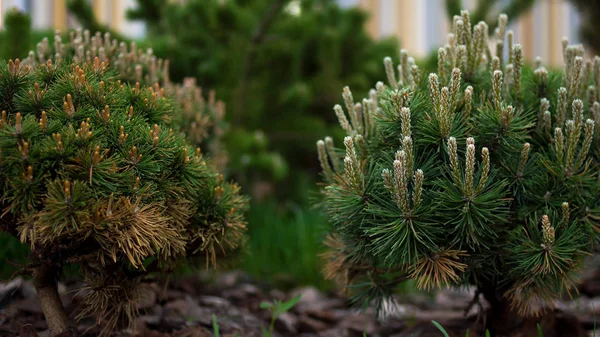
[{"x": 45, "y": 282}]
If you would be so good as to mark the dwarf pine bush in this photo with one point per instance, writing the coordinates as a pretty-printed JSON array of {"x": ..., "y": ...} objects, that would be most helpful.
[
  {"x": 91, "y": 174},
  {"x": 199, "y": 118},
  {"x": 484, "y": 173}
]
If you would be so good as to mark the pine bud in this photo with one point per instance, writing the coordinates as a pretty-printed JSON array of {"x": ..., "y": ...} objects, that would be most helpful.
[
  {"x": 577, "y": 113},
  {"x": 67, "y": 189},
  {"x": 547, "y": 233},
  {"x": 186, "y": 157},
  {"x": 434, "y": 92},
  {"x": 415, "y": 75},
  {"x": 342, "y": 119},
  {"x": 517, "y": 52},
  {"x": 407, "y": 146},
  {"x": 367, "y": 117},
  {"x": 24, "y": 149},
  {"x": 105, "y": 115},
  {"x": 44, "y": 121},
  {"x": 353, "y": 169},
  {"x": 466, "y": 18},
  {"x": 547, "y": 123},
  {"x": 388, "y": 181},
  {"x": 442, "y": 63},
  {"x": 524, "y": 158},
  {"x": 68, "y": 106},
  {"x": 372, "y": 102},
  {"x": 485, "y": 168},
  {"x": 559, "y": 145},
  {"x": 28, "y": 175},
  {"x": 497, "y": 88},
  {"x": 495, "y": 66},
  {"x": 18, "y": 125},
  {"x": 418, "y": 189},
  {"x": 509, "y": 42},
  {"x": 591, "y": 95},
  {"x": 349, "y": 102},
  {"x": 571, "y": 144},
  {"x": 122, "y": 135},
  {"x": 502, "y": 23},
  {"x": 358, "y": 110},
  {"x": 390, "y": 72},
  {"x": 587, "y": 142},
  {"x": 468, "y": 101},
  {"x": 445, "y": 115},
  {"x": 58, "y": 140},
  {"x": 561, "y": 107},
  {"x": 458, "y": 30},
  {"x": 542, "y": 74},
  {"x": 454, "y": 88},
  {"x": 405, "y": 121},
  {"x": 461, "y": 57},
  {"x": 469, "y": 171},
  {"x": 400, "y": 182},
  {"x": 575, "y": 76},
  {"x": 565, "y": 212},
  {"x": 452, "y": 152},
  {"x": 361, "y": 145},
  {"x": 405, "y": 68},
  {"x": 322, "y": 152}
]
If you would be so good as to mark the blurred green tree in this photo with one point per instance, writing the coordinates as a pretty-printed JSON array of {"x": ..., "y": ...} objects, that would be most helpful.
[
  {"x": 276, "y": 63},
  {"x": 588, "y": 30},
  {"x": 17, "y": 26}
]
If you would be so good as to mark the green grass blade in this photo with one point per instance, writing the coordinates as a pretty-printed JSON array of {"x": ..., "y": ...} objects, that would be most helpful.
[
  {"x": 215, "y": 326},
  {"x": 441, "y": 328}
]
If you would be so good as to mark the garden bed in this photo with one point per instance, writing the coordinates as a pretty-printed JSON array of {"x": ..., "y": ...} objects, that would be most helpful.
[{"x": 185, "y": 308}]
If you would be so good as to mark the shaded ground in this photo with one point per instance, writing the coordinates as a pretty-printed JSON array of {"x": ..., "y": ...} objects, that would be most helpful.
[{"x": 185, "y": 308}]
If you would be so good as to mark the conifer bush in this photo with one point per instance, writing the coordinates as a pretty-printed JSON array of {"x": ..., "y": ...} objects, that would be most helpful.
[
  {"x": 200, "y": 117},
  {"x": 484, "y": 173},
  {"x": 92, "y": 174}
]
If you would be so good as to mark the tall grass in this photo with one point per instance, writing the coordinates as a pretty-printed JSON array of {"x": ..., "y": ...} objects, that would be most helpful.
[{"x": 284, "y": 244}]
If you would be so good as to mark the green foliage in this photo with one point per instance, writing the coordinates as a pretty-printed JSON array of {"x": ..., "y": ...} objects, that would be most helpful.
[
  {"x": 484, "y": 173},
  {"x": 91, "y": 174},
  {"x": 439, "y": 326},
  {"x": 284, "y": 243},
  {"x": 17, "y": 32},
  {"x": 277, "y": 308},
  {"x": 277, "y": 72}
]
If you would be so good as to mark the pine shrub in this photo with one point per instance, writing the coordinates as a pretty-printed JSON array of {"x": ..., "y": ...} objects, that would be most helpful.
[
  {"x": 484, "y": 174},
  {"x": 199, "y": 117},
  {"x": 92, "y": 174}
]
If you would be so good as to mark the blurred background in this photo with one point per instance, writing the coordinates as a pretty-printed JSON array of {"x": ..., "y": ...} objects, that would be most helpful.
[{"x": 280, "y": 66}]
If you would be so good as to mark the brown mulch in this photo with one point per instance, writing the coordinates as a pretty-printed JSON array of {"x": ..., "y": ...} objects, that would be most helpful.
[{"x": 184, "y": 308}]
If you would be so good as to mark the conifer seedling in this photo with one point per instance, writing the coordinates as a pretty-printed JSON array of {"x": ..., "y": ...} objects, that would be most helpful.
[
  {"x": 92, "y": 175},
  {"x": 483, "y": 174}
]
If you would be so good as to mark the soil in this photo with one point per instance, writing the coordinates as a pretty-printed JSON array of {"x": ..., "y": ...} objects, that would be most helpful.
[{"x": 185, "y": 307}]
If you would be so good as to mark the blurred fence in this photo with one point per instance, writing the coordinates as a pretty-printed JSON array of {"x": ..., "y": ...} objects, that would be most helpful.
[
  {"x": 422, "y": 25},
  {"x": 53, "y": 14}
]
